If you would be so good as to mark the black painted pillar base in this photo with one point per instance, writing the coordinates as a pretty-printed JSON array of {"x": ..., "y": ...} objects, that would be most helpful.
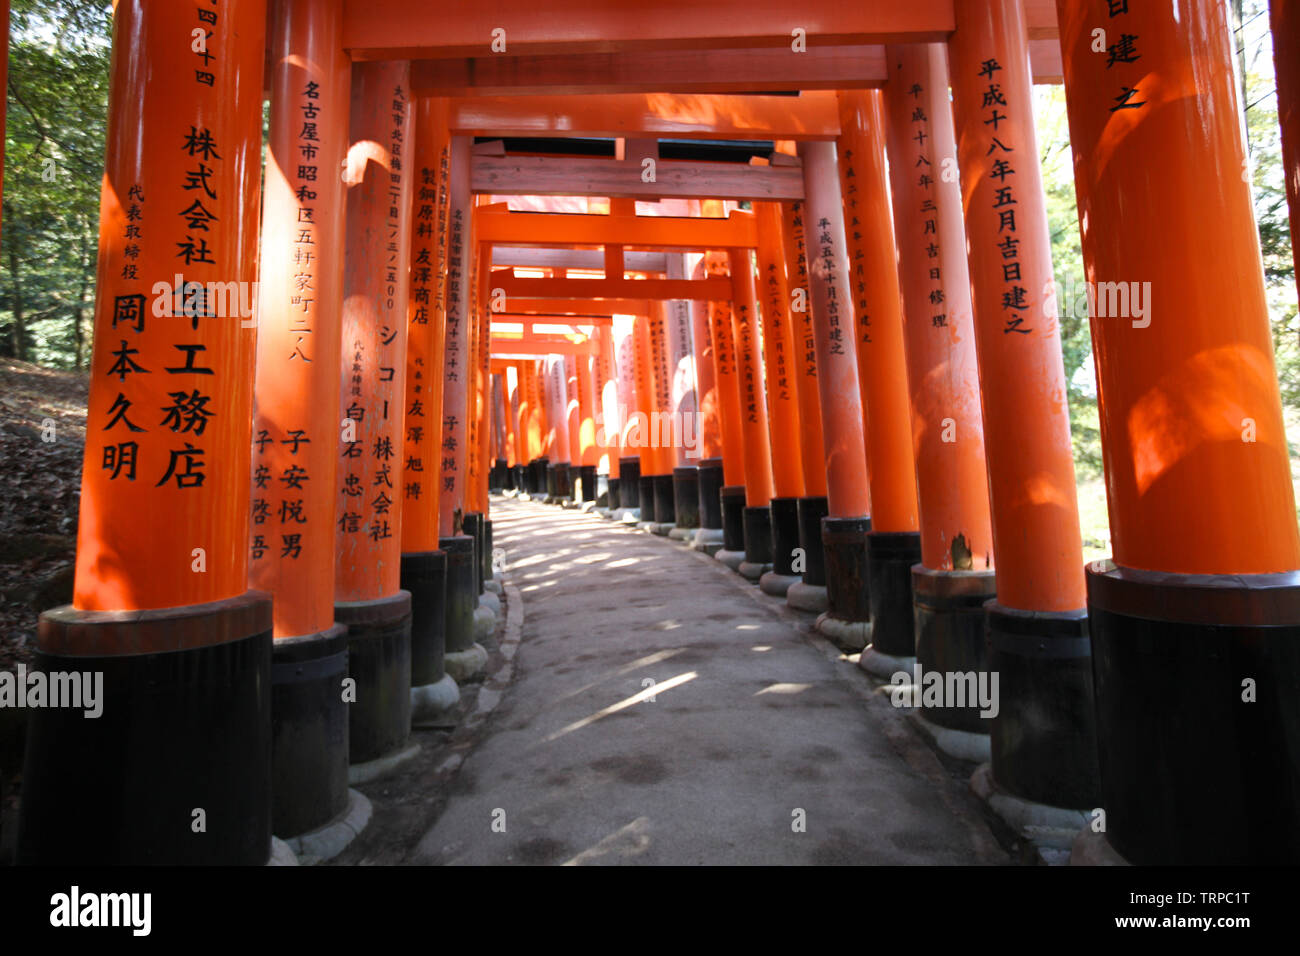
[
  {"x": 564, "y": 481},
  {"x": 629, "y": 482},
  {"x": 471, "y": 524},
  {"x": 460, "y": 592},
  {"x": 709, "y": 476},
  {"x": 487, "y": 552},
  {"x": 665, "y": 504},
  {"x": 686, "y": 496},
  {"x": 649, "y": 503},
  {"x": 424, "y": 577},
  {"x": 732, "y": 498},
  {"x": 518, "y": 481},
  {"x": 503, "y": 474},
  {"x": 309, "y": 731},
  {"x": 811, "y": 512},
  {"x": 890, "y": 556},
  {"x": 844, "y": 544},
  {"x": 948, "y": 607},
  {"x": 184, "y": 724},
  {"x": 587, "y": 475},
  {"x": 758, "y": 542},
  {"x": 614, "y": 500},
  {"x": 379, "y": 661},
  {"x": 552, "y": 481},
  {"x": 1043, "y": 739},
  {"x": 785, "y": 535},
  {"x": 1197, "y": 688}
]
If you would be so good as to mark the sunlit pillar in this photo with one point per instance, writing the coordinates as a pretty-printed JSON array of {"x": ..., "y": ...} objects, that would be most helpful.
[
  {"x": 955, "y": 576},
  {"x": 589, "y": 454},
  {"x": 424, "y": 563},
  {"x": 894, "y": 543},
  {"x": 782, "y": 402},
  {"x": 809, "y": 593},
  {"x": 1043, "y": 740},
  {"x": 844, "y": 530},
  {"x": 161, "y": 598},
  {"x": 1194, "y": 622},
  {"x": 296, "y": 411}
]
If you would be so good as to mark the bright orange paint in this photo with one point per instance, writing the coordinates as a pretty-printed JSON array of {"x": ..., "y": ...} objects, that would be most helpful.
[
  {"x": 299, "y": 323},
  {"x": 947, "y": 427},
  {"x": 141, "y": 519},
  {"x": 369, "y": 484},
  {"x": 778, "y": 355},
  {"x": 848, "y": 494},
  {"x": 426, "y": 327},
  {"x": 878, "y": 309},
  {"x": 588, "y": 452},
  {"x": 749, "y": 379},
  {"x": 812, "y": 447},
  {"x": 1198, "y": 475},
  {"x": 1284, "y": 18},
  {"x": 1026, "y": 417},
  {"x": 641, "y": 436}
]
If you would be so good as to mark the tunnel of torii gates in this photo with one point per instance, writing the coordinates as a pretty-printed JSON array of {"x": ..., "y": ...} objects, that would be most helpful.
[{"x": 827, "y": 352}]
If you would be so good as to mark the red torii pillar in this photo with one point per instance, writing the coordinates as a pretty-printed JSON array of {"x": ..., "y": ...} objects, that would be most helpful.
[
  {"x": 725, "y": 372},
  {"x": 846, "y": 619},
  {"x": 161, "y": 598},
  {"x": 1284, "y": 21},
  {"x": 782, "y": 401},
  {"x": 424, "y": 563},
  {"x": 955, "y": 576},
  {"x": 367, "y": 591},
  {"x": 588, "y": 453},
  {"x": 1194, "y": 623},
  {"x": 623, "y": 332},
  {"x": 708, "y": 469},
  {"x": 296, "y": 396},
  {"x": 894, "y": 543},
  {"x": 464, "y": 657},
  {"x": 1043, "y": 741},
  {"x": 684, "y": 389},
  {"x": 753, "y": 422},
  {"x": 607, "y": 414},
  {"x": 808, "y": 594}
]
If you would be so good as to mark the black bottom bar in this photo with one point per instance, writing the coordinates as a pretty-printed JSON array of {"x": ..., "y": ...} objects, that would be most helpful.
[
  {"x": 844, "y": 543},
  {"x": 686, "y": 496},
  {"x": 710, "y": 481},
  {"x": 948, "y": 607},
  {"x": 890, "y": 556},
  {"x": 379, "y": 661},
  {"x": 733, "y": 517}
]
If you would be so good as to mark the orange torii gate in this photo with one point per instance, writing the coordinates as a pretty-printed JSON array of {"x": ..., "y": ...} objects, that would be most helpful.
[{"x": 1202, "y": 592}]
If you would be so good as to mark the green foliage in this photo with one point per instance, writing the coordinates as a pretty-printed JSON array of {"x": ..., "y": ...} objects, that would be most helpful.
[{"x": 54, "y": 160}]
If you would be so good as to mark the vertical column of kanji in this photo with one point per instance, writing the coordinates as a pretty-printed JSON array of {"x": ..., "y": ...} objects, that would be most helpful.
[
  {"x": 464, "y": 657},
  {"x": 590, "y": 454},
  {"x": 808, "y": 594},
  {"x": 757, "y": 527},
  {"x": 424, "y": 564},
  {"x": 1284, "y": 20},
  {"x": 725, "y": 373},
  {"x": 296, "y": 420},
  {"x": 1042, "y": 735},
  {"x": 161, "y": 597},
  {"x": 487, "y": 607},
  {"x": 848, "y": 495},
  {"x": 1195, "y": 620},
  {"x": 894, "y": 543},
  {"x": 622, "y": 330},
  {"x": 955, "y": 576},
  {"x": 661, "y": 420},
  {"x": 367, "y": 588},
  {"x": 684, "y": 390},
  {"x": 782, "y": 403}
]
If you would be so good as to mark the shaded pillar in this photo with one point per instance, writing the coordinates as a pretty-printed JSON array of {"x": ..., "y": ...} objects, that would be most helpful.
[
  {"x": 296, "y": 421},
  {"x": 464, "y": 658},
  {"x": 894, "y": 542},
  {"x": 955, "y": 576},
  {"x": 1194, "y": 622},
  {"x": 809, "y": 594},
  {"x": 1043, "y": 740},
  {"x": 844, "y": 529},
  {"x": 727, "y": 376},
  {"x": 161, "y": 604},
  {"x": 782, "y": 402}
]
